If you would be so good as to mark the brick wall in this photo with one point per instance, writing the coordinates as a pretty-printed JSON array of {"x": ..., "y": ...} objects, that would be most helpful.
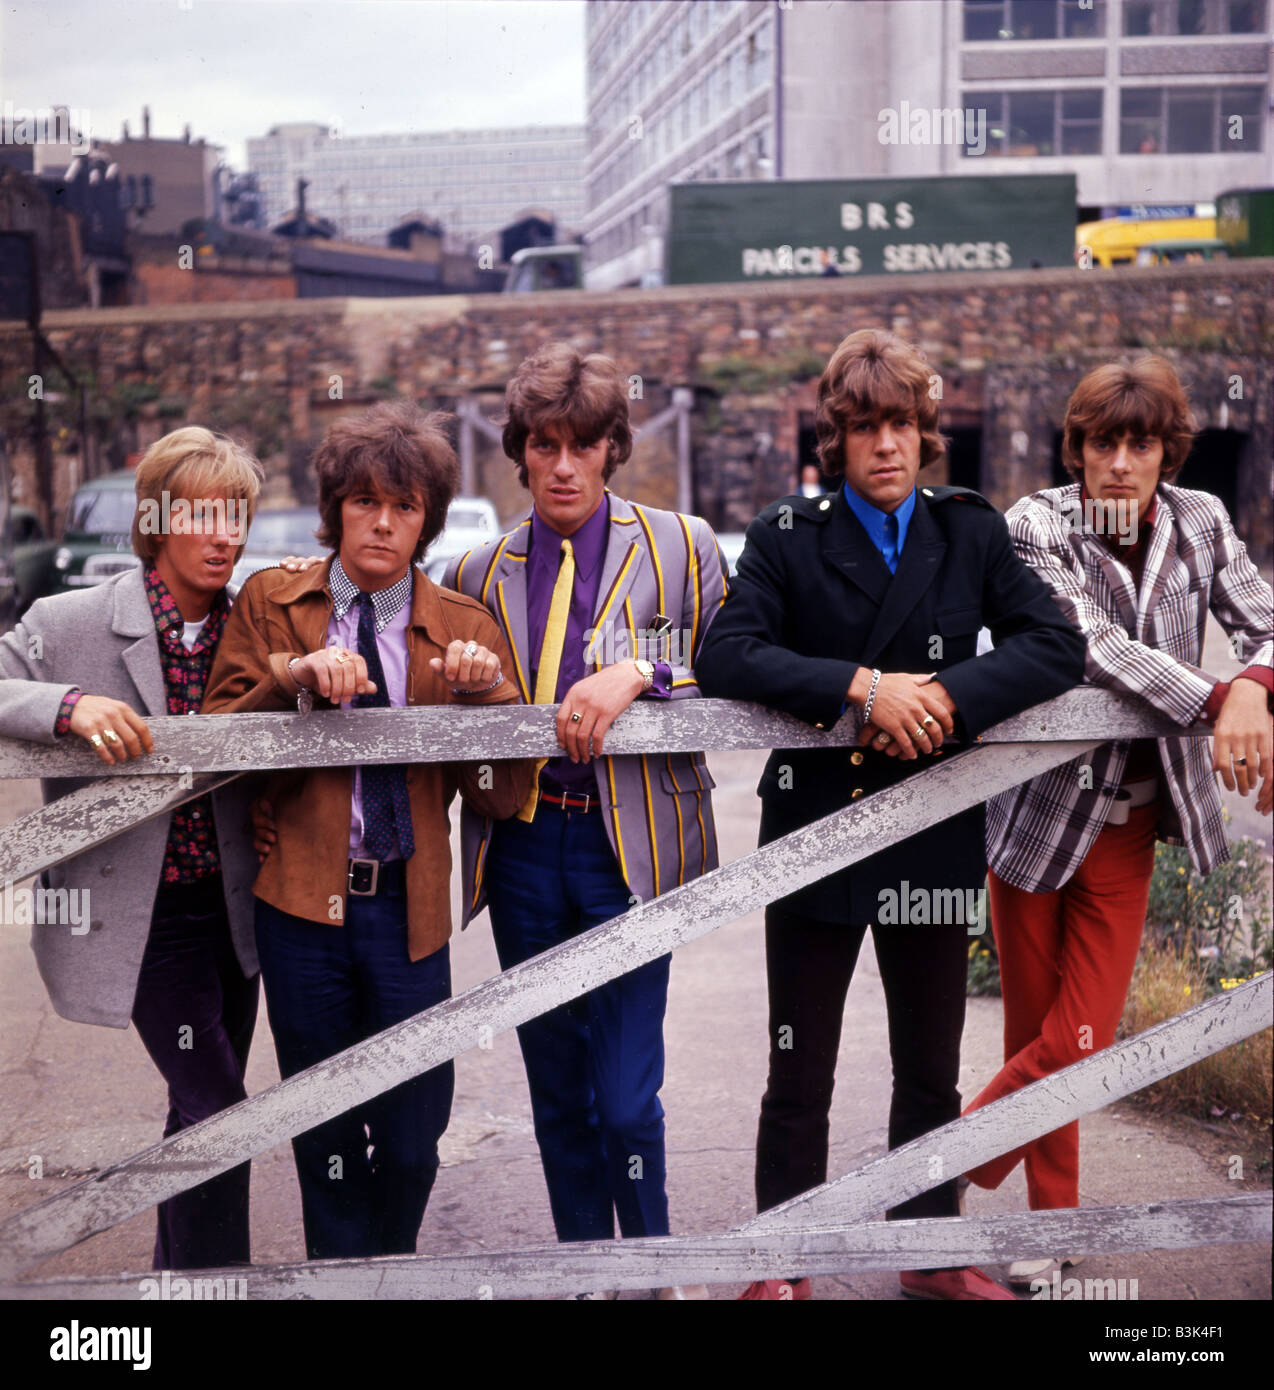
[{"x": 1009, "y": 348}]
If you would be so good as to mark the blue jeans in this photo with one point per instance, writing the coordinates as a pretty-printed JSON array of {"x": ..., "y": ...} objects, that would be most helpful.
[
  {"x": 594, "y": 1066},
  {"x": 328, "y": 986}
]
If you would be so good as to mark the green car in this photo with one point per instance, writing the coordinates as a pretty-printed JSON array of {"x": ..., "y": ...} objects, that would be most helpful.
[
  {"x": 96, "y": 541},
  {"x": 34, "y": 573}
]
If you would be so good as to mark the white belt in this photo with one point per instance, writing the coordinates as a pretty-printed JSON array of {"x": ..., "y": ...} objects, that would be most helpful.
[{"x": 1130, "y": 796}]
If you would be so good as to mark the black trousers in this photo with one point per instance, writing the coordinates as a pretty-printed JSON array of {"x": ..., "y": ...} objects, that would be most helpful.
[
  {"x": 809, "y": 965},
  {"x": 195, "y": 1013}
]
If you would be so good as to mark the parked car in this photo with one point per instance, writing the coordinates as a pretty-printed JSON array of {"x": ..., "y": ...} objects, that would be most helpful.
[
  {"x": 731, "y": 543},
  {"x": 96, "y": 541},
  {"x": 32, "y": 554},
  {"x": 274, "y": 533},
  {"x": 471, "y": 521}
]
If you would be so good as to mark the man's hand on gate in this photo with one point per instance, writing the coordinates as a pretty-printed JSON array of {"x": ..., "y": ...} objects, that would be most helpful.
[
  {"x": 467, "y": 667},
  {"x": 1245, "y": 729},
  {"x": 116, "y": 731},
  {"x": 264, "y": 835},
  {"x": 904, "y": 700},
  {"x": 335, "y": 673},
  {"x": 598, "y": 700}
]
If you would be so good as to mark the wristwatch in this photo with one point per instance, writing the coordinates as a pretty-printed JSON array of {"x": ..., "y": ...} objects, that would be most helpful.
[{"x": 646, "y": 670}]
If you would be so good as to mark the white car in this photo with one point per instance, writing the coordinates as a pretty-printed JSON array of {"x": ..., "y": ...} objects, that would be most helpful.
[{"x": 471, "y": 521}]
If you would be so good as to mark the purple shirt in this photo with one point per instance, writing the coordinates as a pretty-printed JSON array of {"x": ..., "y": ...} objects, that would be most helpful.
[
  {"x": 545, "y": 555},
  {"x": 543, "y": 561}
]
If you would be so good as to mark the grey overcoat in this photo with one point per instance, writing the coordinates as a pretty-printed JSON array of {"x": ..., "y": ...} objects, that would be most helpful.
[{"x": 103, "y": 640}]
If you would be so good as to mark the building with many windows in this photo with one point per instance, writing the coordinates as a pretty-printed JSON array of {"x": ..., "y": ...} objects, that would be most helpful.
[
  {"x": 472, "y": 181},
  {"x": 1145, "y": 101}
]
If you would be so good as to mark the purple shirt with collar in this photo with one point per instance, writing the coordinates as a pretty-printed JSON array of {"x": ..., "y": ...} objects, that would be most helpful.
[{"x": 543, "y": 559}]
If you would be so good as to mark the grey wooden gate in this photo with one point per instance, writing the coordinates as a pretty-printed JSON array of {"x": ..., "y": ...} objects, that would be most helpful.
[{"x": 827, "y": 1230}]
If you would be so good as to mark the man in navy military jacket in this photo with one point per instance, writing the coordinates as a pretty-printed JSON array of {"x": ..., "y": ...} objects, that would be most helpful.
[{"x": 873, "y": 596}]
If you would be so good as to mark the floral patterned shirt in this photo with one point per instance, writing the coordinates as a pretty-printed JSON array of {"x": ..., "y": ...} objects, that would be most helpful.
[{"x": 192, "y": 838}]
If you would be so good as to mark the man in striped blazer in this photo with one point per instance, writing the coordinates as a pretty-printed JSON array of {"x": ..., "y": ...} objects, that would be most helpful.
[
  {"x": 1136, "y": 564},
  {"x": 601, "y": 602}
]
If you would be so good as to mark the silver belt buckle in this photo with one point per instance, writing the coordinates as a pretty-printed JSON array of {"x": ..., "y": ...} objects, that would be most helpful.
[{"x": 374, "y": 865}]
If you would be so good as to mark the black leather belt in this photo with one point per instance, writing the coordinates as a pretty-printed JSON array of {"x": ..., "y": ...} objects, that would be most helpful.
[{"x": 370, "y": 877}]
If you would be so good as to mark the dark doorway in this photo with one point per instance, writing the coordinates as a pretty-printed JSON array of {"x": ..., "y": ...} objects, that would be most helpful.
[
  {"x": 807, "y": 453},
  {"x": 1060, "y": 474},
  {"x": 1212, "y": 465},
  {"x": 964, "y": 456}
]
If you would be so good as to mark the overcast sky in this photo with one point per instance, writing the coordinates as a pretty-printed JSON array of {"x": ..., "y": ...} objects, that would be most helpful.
[{"x": 234, "y": 68}]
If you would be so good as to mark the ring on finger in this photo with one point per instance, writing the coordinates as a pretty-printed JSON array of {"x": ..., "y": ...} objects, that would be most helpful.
[
  {"x": 96, "y": 740},
  {"x": 883, "y": 739},
  {"x": 471, "y": 649},
  {"x": 918, "y": 732},
  {"x": 927, "y": 720},
  {"x": 1240, "y": 762},
  {"x": 110, "y": 736},
  {"x": 575, "y": 718}
]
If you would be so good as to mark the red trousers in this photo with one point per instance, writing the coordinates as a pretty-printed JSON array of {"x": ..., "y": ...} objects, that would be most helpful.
[{"x": 1066, "y": 961}]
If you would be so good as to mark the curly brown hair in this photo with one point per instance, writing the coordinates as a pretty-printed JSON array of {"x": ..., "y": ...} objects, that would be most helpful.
[
  {"x": 393, "y": 449},
  {"x": 1144, "y": 399},
  {"x": 871, "y": 376},
  {"x": 558, "y": 388}
]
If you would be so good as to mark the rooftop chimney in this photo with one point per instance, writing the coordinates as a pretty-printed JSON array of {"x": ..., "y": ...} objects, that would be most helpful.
[
  {"x": 185, "y": 134},
  {"x": 145, "y": 122},
  {"x": 125, "y": 134}
]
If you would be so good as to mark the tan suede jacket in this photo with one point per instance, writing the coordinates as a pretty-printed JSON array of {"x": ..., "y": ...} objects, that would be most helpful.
[{"x": 277, "y": 616}]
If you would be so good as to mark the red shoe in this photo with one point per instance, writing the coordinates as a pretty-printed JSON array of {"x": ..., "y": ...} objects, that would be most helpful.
[
  {"x": 955, "y": 1285},
  {"x": 778, "y": 1291}
]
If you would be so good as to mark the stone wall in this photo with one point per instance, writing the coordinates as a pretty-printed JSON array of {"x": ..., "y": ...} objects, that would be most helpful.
[{"x": 1009, "y": 348}]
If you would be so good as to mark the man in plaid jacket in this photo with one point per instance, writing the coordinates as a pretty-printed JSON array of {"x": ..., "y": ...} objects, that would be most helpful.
[{"x": 1136, "y": 564}]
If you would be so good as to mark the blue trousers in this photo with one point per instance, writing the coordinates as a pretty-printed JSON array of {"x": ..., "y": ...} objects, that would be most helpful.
[
  {"x": 365, "y": 1175},
  {"x": 594, "y": 1066}
]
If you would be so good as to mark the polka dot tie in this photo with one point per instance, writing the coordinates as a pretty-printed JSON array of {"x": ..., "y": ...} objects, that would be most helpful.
[{"x": 387, "y": 831}]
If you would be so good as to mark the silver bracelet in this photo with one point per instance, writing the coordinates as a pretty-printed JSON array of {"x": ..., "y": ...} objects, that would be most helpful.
[
  {"x": 482, "y": 690},
  {"x": 292, "y": 663},
  {"x": 871, "y": 696}
]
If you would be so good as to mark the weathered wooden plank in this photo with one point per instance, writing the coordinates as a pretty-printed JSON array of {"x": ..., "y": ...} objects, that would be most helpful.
[
  {"x": 1034, "y": 1110},
  {"x": 89, "y": 815},
  {"x": 433, "y": 733},
  {"x": 658, "y": 1262},
  {"x": 645, "y": 932}
]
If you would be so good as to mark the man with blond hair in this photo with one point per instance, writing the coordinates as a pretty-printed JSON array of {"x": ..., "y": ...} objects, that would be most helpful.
[{"x": 167, "y": 941}]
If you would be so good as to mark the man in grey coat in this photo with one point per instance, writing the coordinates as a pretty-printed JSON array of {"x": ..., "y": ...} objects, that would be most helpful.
[{"x": 163, "y": 931}]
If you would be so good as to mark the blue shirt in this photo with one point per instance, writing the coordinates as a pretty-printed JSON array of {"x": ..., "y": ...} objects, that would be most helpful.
[{"x": 888, "y": 530}]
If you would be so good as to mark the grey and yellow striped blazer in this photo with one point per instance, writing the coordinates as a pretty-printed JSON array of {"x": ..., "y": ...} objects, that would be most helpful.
[{"x": 657, "y": 807}]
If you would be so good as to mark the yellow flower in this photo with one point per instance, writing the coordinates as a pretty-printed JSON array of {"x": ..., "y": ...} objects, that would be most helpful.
[
  {"x": 1181, "y": 870},
  {"x": 1187, "y": 990}
]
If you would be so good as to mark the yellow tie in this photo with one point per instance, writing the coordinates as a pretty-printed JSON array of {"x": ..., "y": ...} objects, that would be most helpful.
[{"x": 551, "y": 656}]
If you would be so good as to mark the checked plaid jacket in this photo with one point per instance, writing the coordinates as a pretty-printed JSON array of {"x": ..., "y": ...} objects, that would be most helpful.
[{"x": 1146, "y": 643}]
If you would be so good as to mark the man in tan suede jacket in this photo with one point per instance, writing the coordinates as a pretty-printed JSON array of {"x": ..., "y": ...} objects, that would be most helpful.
[{"x": 353, "y": 900}]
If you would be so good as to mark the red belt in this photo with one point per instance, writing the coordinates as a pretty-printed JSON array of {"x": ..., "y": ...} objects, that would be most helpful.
[{"x": 567, "y": 802}]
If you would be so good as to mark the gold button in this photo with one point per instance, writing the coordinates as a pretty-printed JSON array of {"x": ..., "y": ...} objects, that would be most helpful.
[
  {"x": 856, "y": 757},
  {"x": 856, "y": 793},
  {"x": 823, "y": 505},
  {"x": 821, "y": 727}
]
